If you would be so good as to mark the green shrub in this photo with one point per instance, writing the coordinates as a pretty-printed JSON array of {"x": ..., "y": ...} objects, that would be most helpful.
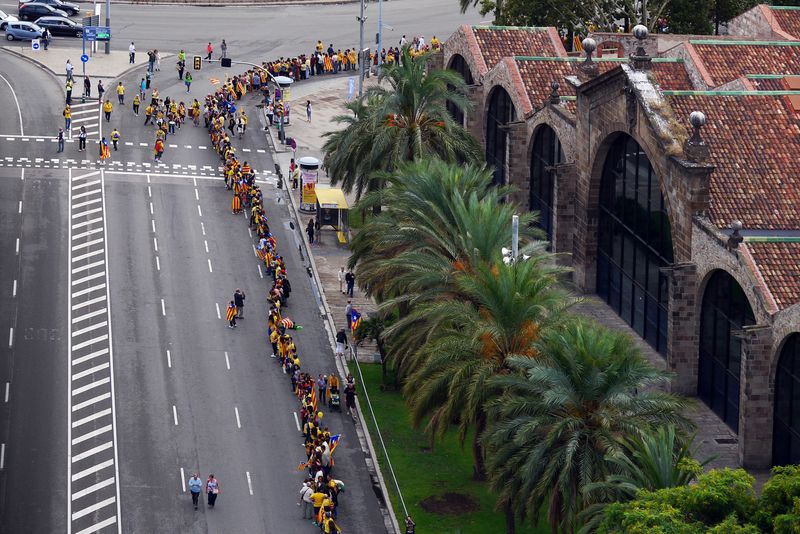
[
  {"x": 731, "y": 526},
  {"x": 645, "y": 517},
  {"x": 789, "y": 523}
]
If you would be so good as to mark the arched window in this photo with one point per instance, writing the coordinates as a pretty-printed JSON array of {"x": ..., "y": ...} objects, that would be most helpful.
[
  {"x": 501, "y": 113},
  {"x": 786, "y": 434},
  {"x": 546, "y": 153},
  {"x": 634, "y": 242},
  {"x": 725, "y": 310},
  {"x": 459, "y": 64}
]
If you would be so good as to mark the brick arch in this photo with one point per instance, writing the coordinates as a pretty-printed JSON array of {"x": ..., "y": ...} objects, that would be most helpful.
[
  {"x": 603, "y": 45},
  {"x": 463, "y": 42},
  {"x": 470, "y": 79}
]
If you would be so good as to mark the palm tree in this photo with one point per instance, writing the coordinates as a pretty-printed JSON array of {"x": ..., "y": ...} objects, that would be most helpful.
[
  {"x": 500, "y": 315},
  {"x": 561, "y": 417},
  {"x": 402, "y": 118}
]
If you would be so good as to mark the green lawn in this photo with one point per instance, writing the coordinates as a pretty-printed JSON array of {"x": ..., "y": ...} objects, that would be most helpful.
[{"x": 422, "y": 472}]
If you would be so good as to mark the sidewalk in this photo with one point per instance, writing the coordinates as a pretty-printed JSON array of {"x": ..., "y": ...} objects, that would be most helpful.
[{"x": 101, "y": 65}]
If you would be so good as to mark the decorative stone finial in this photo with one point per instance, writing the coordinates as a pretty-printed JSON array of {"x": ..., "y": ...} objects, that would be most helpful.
[
  {"x": 735, "y": 239},
  {"x": 640, "y": 58},
  {"x": 588, "y": 66},
  {"x": 695, "y": 148},
  {"x": 555, "y": 98}
]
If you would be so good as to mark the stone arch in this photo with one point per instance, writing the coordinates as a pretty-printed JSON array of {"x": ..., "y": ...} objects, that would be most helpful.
[
  {"x": 545, "y": 151},
  {"x": 634, "y": 240},
  {"x": 606, "y": 45},
  {"x": 500, "y": 111},
  {"x": 785, "y": 385},
  {"x": 458, "y": 64}
]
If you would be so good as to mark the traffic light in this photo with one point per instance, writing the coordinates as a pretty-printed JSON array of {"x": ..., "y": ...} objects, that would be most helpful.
[
  {"x": 226, "y": 62},
  {"x": 198, "y": 62}
]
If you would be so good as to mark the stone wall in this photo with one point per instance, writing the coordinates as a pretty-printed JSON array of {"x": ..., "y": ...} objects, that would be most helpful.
[{"x": 758, "y": 23}]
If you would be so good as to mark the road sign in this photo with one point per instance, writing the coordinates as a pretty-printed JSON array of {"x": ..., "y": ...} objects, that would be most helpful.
[
  {"x": 84, "y": 58},
  {"x": 198, "y": 62},
  {"x": 97, "y": 33},
  {"x": 35, "y": 46}
]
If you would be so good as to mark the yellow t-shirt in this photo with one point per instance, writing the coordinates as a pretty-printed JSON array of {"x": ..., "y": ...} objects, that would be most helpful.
[
  {"x": 120, "y": 90},
  {"x": 317, "y": 498}
]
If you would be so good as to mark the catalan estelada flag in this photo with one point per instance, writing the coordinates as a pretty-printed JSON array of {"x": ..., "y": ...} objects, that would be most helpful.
[
  {"x": 335, "y": 442},
  {"x": 355, "y": 319},
  {"x": 231, "y": 313}
]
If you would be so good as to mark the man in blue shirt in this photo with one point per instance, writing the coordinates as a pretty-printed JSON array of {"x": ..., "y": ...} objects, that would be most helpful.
[{"x": 195, "y": 487}]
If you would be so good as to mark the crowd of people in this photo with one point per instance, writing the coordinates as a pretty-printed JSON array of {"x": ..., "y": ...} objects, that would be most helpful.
[{"x": 320, "y": 491}]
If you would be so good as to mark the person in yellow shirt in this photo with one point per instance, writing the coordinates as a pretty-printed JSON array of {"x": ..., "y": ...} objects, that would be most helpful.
[
  {"x": 317, "y": 498},
  {"x": 107, "y": 107},
  {"x": 121, "y": 93},
  {"x": 274, "y": 336},
  {"x": 435, "y": 43},
  {"x": 67, "y": 117}
]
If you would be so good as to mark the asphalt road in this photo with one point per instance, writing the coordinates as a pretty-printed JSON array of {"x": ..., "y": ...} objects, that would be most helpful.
[
  {"x": 256, "y": 33},
  {"x": 123, "y": 380}
]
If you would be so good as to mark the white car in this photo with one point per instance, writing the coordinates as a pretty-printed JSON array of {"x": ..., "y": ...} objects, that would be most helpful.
[{"x": 5, "y": 19}]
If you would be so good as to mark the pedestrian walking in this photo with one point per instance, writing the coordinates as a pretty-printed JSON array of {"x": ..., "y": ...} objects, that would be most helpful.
[
  {"x": 341, "y": 341},
  {"x": 212, "y": 490},
  {"x": 180, "y": 66},
  {"x": 340, "y": 275},
  {"x": 322, "y": 387},
  {"x": 209, "y": 49},
  {"x": 159, "y": 150},
  {"x": 136, "y": 104},
  {"x": 148, "y": 114},
  {"x": 115, "y": 138},
  {"x": 142, "y": 88},
  {"x": 67, "y": 113},
  {"x": 157, "y": 58},
  {"x": 105, "y": 152},
  {"x": 100, "y": 90},
  {"x": 348, "y": 311},
  {"x": 188, "y": 81},
  {"x": 60, "y": 140},
  {"x": 68, "y": 86},
  {"x": 132, "y": 53},
  {"x": 308, "y": 110},
  {"x": 350, "y": 280},
  {"x": 195, "y": 487},
  {"x": 82, "y": 139},
  {"x": 224, "y": 48},
  {"x": 305, "y": 500},
  {"x": 69, "y": 68},
  {"x": 238, "y": 299},
  {"x": 230, "y": 315},
  {"x": 148, "y": 77},
  {"x": 270, "y": 113},
  {"x": 107, "y": 107},
  {"x": 151, "y": 61},
  {"x": 46, "y": 36},
  {"x": 310, "y": 231},
  {"x": 87, "y": 87},
  {"x": 121, "y": 93}
]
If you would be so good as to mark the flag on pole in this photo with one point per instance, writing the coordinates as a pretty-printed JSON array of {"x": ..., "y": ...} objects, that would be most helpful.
[
  {"x": 334, "y": 441},
  {"x": 314, "y": 399},
  {"x": 355, "y": 319}
]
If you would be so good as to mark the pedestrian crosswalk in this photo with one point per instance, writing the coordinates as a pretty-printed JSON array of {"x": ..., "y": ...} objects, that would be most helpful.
[
  {"x": 93, "y": 500},
  {"x": 86, "y": 114}
]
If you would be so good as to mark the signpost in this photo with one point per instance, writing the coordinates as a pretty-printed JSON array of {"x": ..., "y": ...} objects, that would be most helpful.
[{"x": 35, "y": 45}]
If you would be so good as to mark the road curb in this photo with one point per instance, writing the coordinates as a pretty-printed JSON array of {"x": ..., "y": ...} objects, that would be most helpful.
[
  {"x": 373, "y": 467},
  {"x": 58, "y": 76}
]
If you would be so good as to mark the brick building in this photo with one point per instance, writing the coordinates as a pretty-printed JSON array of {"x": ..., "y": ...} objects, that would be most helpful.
[{"x": 688, "y": 228}]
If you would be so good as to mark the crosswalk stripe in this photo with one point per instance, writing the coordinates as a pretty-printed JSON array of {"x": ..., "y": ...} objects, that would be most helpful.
[
  {"x": 92, "y": 385},
  {"x": 91, "y": 489},
  {"x": 99, "y": 526},
  {"x": 92, "y": 451},
  {"x": 89, "y": 419},
  {"x": 95, "y": 354},
  {"x": 93, "y": 400},
  {"x": 93, "y": 508},
  {"x": 93, "y": 434}
]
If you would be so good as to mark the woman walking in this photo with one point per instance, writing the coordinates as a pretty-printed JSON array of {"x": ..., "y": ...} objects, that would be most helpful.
[
  {"x": 212, "y": 489},
  {"x": 230, "y": 315}
]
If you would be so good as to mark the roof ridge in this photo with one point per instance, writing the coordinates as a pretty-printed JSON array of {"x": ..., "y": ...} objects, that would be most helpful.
[
  {"x": 784, "y": 8},
  {"x": 576, "y": 59},
  {"x": 742, "y": 43},
  {"x": 680, "y": 92},
  {"x": 498, "y": 27}
]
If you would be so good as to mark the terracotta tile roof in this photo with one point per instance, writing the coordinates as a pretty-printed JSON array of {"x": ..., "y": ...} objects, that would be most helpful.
[
  {"x": 768, "y": 84},
  {"x": 726, "y": 61},
  {"x": 497, "y": 42},
  {"x": 755, "y": 155},
  {"x": 778, "y": 265},
  {"x": 788, "y": 19},
  {"x": 671, "y": 75}
]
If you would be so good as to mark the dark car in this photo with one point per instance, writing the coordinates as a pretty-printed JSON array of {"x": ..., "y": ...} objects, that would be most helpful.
[
  {"x": 36, "y": 10},
  {"x": 67, "y": 7},
  {"x": 61, "y": 26}
]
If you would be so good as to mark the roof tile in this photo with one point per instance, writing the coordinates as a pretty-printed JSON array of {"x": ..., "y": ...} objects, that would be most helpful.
[
  {"x": 789, "y": 20},
  {"x": 777, "y": 263},
  {"x": 497, "y": 42},
  {"x": 726, "y": 62}
]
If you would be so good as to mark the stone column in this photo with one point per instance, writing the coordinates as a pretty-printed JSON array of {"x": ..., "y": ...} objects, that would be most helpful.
[
  {"x": 518, "y": 171},
  {"x": 755, "y": 404},
  {"x": 683, "y": 330},
  {"x": 564, "y": 207},
  {"x": 474, "y": 118}
]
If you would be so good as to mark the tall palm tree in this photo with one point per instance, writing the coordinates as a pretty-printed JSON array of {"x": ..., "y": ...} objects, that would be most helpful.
[
  {"x": 402, "y": 118},
  {"x": 500, "y": 315},
  {"x": 561, "y": 417}
]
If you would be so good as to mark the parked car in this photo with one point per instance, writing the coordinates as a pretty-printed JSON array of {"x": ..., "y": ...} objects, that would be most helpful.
[
  {"x": 61, "y": 26},
  {"x": 68, "y": 7},
  {"x": 35, "y": 10},
  {"x": 5, "y": 19},
  {"x": 23, "y": 31}
]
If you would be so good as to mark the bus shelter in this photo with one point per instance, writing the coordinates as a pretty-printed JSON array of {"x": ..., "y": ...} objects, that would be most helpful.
[{"x": 332, "y": 210}]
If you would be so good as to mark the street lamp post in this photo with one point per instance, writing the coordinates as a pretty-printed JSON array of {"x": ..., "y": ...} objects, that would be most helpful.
[
  {"x": 361, "y": 61},
  {"x": 108, "y": 25}
]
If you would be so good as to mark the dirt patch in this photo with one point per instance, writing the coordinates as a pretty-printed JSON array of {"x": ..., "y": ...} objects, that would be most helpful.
[{"x": 449, "y": 504}]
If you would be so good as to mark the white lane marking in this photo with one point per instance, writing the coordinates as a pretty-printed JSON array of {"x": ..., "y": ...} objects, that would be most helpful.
[
  {"x": 238, "y": 421},
  {"x": 79, "y": 204},
  {"x": 153, "y": 224},
  {"x": 249, "y": 232},
  {"x": 155, "y": 243},
  {"x": 196, "y": 194},
  {"x": 87, "y": 278},
  {"x": 17, "y": 247},
  {"x": 86, "y": 223},
  {"x": 91, "y": 489},
  {"x": 255, "y": 252},
  {"x": 90, "y": 371},
  {"x": 89, "y": 302},
  {"x": 175, "y": 414},
  {"x": 158, "y": 263},
  {"x": 201, "y": 147},
  {"x": 227, "y": 361},
  {"x": 199, "y": 211},
  {"x": 142, "y": 144},
  {"x": 194, "y": 179},
  {"x": 260, "y": 273},
  {"x": 85, "y": 184},
  {"x": 94, "y": 469},
  {"x": 89, "y": 290},
  {"x": 96, "y": 326},
  {"x": 93, "y": 508},
  {"x": 149, "y": 192},
  {"x": 82, "y": 257},
  {"x": 163, "y": 308},
  {"x": 218, "y": 315},
  {"x": 88, "y": 266},
  {"x": 90, "y": 418},
  {"x": 91, "y": 452},
  {"x": 8, "y": 390},
  {"x": 14, "y": 289},
  {"x": 86, "y": 213},
  {"x": 91, "y": 385},
  {"x": 89, "y": 315},
  {"x": 151, "y": 208},
  {"x": 11, "y": 337},
  {"x": 88, "y": 342},
  {"x": 20, "y": 207},
  {"x": 87, "y": 244},
  {"x": 86, "y": 194},
  {"x": 2, "y": 456},
  {"x": 183, "y": 480},
  {"x": 169, "y": 359},
  {"x": 93, "y": 355},
  {"x": 203, "y": 228},
  {"x": 148, "y": 176},
  {"x": 93, "y": 434},
  {"x": 296, "y": 421},
  {"x": 209, "y": 266},
  {"x": 128, "y": 143},
  {"x": 206, "y": 244},
  {"x": 19, "y": 109},
  {"x": 249, "y": 482},
  {"x": 93, "y": 400}
]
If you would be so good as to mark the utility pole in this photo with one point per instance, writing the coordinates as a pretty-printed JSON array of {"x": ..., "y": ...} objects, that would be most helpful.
[
  {"x": 108, "y": 25},
  {"x": 380, "y": 33},
  {"x": 361, "y": 21},
  {"x": 514, "y": 237}
]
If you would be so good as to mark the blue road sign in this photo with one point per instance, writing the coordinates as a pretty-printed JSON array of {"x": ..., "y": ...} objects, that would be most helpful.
[
  {"x": 84, "y": 58},
  {"x": 97, "y": 33}
]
